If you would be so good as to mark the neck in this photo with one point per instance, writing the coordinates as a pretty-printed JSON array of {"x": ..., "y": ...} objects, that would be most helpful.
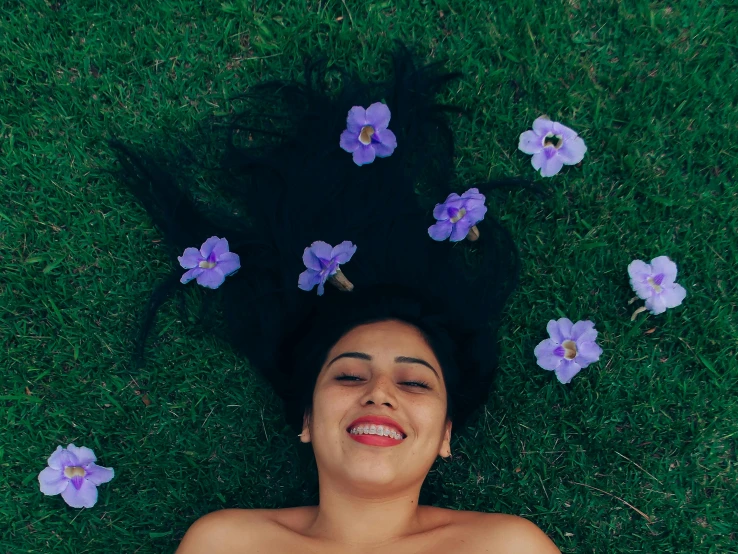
[{"x": 357, "y": 519}]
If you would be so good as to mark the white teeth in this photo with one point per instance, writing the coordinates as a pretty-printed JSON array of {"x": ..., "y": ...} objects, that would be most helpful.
[{"x": 378, "y": 430}]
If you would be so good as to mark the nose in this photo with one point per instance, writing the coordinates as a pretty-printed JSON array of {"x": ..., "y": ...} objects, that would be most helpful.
[{"x": 381, "y": 392}]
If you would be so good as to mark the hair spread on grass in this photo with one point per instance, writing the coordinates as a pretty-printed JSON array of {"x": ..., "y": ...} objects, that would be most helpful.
[{"x": 281, "y": 164}]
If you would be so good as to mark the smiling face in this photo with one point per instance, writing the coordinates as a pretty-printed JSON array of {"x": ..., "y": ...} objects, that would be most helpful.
[{"x": 385, "y": 370}]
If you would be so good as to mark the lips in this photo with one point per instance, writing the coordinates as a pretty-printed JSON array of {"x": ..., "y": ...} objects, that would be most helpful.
[{"x": 377, "y": 420}]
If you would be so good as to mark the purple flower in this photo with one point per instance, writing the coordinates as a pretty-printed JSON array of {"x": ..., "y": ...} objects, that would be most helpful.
[
  {"x": 552, "y": 146},
  {"x": 458, "y": 215},
  {"x": 366, "y": 133},
  {"x": 570, "y": 348},
  {"x": 322, "y": 261},
  {"x": 73, "y": 473},
  {"x": 210, "y": 265},
  {"x": 655, "y": 284}
]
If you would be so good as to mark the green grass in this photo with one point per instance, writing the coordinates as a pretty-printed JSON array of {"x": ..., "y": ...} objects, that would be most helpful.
[{"x": 637, "y": 454}]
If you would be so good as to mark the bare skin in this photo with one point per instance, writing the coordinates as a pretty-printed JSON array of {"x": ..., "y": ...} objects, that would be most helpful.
[{"x": 369, "y": 493}]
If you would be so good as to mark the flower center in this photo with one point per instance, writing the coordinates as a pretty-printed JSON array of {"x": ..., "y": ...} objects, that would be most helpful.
[
  {"x": 557, "y": 141},
  {"x": 74, "y": 471},
  {"x": 656, "y": 281},
  {"x": 207, "y": 265},
  {"x": 456, "y": 214},
  {"x": 570, "y": 349},
  {"x": 365, "y": 137}
]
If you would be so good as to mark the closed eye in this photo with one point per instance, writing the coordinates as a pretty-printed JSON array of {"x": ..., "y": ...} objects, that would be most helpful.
[{"x": 354, "y": 378}]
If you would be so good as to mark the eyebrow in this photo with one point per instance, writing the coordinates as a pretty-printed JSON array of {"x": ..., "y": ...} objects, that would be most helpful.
[{"x": 398, "y": 359}]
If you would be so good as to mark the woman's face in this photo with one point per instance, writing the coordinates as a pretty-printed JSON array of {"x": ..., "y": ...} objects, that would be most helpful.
[{"x": 383, "y": 370}]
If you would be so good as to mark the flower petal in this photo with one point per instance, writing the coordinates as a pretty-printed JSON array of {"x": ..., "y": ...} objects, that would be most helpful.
[
  {"x": 588, "y": 352},
  {"x": 476, "y": 215},
  {"x": 546, "y": 356},
  {"x": 387, "y": 143},
  {"x": 99, "y": 474},
  {"x": 547, "y": 161},
  {"x": 190, "y": 258},
  {"x": 211, "y": 278},
  {"x": 84, "y": 497},
  {"x": 342, "y": 253},
  {"x": 191, "y": 274},
  {"x": 580, "y": 328},
  {"x": 572, "y": 151},
  {"x": 564, "y": 327},
  {"x": 639, "y": 272},
  {"x": 378, "y": 116},
  {"x": 656, "y": 304},
  {"x": 349, "y": 141},
  {"x": 83, "y": 454},
  {"x": 209, "y": 245},
  {"x": 365, "y": 154},
  {"x": 229, "y": 263},
  {"x": 567, "y": 370},
  {"x": 441, "y": 230},
  {"x": 356, "y": 119},
  {"x": 566, "y": 132},
  {"x": 671, "y": 297},
  {"x": 62, "y": 458},
  {"x": 460, "y": 230},
  {"x": 322, "y": 251},
  {"x": 543, "y": 125},
  {"x": 664, "y": 265},
  {"x": 52, "y": 481},
  {"x": 308, "y": 279},
  {"x": 554, "y": 332},
  {"x": 530, "y": 143}
]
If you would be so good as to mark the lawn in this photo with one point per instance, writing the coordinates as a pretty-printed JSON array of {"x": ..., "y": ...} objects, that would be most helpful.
[{"x": 636, "y": 454}]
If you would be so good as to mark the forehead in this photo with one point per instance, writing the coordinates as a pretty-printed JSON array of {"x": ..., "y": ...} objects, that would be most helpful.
[{"x": 392, "y": 337}]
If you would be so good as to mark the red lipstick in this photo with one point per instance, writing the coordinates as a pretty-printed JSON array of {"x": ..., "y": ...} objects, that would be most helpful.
[{"x": 376, "y": 440}]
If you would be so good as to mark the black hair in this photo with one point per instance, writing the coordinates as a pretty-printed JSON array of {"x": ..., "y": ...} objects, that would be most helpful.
[{"x": 282, "y": 167}]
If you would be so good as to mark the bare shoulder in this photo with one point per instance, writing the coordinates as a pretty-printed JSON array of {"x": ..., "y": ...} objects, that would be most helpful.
[
  {"x": 225, "y": 531},
  {"x": 508, "y": 533}
]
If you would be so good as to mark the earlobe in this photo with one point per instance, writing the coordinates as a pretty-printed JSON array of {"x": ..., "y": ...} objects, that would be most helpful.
[
  {"x": 305, "y": 435},
  {"x": 445, "y": 451}
]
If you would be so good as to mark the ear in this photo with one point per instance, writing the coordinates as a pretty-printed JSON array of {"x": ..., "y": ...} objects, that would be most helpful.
[
  {"x": 305, "y": 435},
  {"x": 445, "y": 450}
]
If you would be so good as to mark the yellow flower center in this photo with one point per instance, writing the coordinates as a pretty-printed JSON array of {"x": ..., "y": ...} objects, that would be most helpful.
[
  {"x": 458, "y": 216},
  {"x": 655, "y": 286},
  {"x": 570, "y": 349},
  {"x": 557, "y": 141},
  {"x": 365, "y": 137},
  {"x": 207, "y": 265},
  {"x": 74, "y": 471}
]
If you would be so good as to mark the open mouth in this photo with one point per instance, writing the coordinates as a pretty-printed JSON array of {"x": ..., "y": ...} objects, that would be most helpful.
[{"x": 379, "y": 431}]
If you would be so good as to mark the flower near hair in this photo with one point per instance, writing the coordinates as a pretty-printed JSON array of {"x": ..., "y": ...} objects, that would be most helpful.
[
  {"x": 552, "y": 145},
  {"x": 366, "y": 134},
  {"x": 72, "y": 472},
  {"x": 655, "y": 284},
  {"x": 458, "y": 215},
  {"x": 211, "y": 264},
  {"x": 571, "y": 347},
  {"x": 322, "y": 262}
]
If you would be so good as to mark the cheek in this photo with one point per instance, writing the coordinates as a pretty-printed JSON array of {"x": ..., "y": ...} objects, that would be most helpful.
[{"x": 331, "y": 404}]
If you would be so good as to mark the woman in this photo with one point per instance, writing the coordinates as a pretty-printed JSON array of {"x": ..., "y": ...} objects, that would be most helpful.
[{"x": 395, "y": 349}]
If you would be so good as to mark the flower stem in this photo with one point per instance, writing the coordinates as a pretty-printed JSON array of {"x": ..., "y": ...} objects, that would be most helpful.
[
  {"x": 339, "y": 281},
  {"x": 473, "y": 234}
]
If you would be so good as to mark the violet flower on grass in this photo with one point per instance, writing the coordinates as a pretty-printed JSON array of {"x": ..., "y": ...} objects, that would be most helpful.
[
  {"x": 458, "y": 215},
  {"x": 322, "y": 262},
  {"x": 211, "y": 264},
  {"x": 655, "y": 284},
  {"x": 571, "y": 347},
  {"x": 552, "y": 145},
  {"x": 366, "y": 135},
  {"x": 72, "y": 472}
]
